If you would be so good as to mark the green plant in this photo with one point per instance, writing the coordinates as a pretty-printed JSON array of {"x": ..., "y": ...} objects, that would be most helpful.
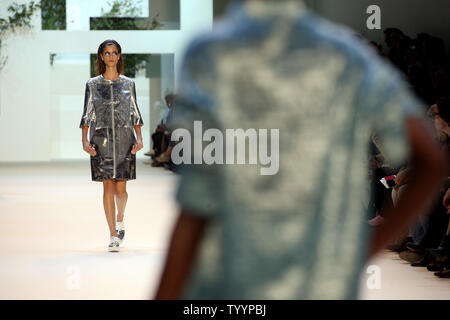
[
  {"x": 53, "y": 14},
  {"x": 53, "y": 17},
  {"x": 124, "y": 8},
  {"x": 52, "y": 58},
  {"x": 121, "y": 8},
  {"x": 113, "y": 20},
  {"x": 20, "y": 18}
]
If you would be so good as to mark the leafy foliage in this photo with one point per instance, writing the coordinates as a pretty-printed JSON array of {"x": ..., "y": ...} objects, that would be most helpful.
[
  {"x": 53, "y": 14},
  {"x": 114, "y": 19},
  {"x": 19, "y": 18}
]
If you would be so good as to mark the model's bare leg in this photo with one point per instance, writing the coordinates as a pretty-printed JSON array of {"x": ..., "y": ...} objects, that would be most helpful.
[
  {"x": 108, "y": 204},
  {"x": 121, "y": 198}
]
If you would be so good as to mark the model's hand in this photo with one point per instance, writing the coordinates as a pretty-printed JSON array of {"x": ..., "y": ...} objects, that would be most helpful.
[
  {"x": 137, "y": 146},
  {"x": 89, "y": 148},
  {"x": 400, "y": 178}
]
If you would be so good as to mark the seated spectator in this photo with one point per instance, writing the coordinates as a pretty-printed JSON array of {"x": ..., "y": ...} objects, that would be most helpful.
[
  {"x": 442, "y": 118},
  {"x": 397, "y": 43},
  {"x": 434, "y": 60},
  {"x": 159, "y": 136},
  {"x": 380, "y": 196},
  {"x": 415, "y": 241},
  {"x": 402, "y": 180},
  {"x": 435, "y": 238},
  {"x": 417, "y": 78},
  {"x": 423, "y": 60},
  {"x": 165, "y": 157},
  {"x": 442, "y": 122}
]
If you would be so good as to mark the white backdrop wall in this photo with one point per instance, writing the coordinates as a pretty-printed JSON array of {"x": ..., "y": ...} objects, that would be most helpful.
[{"x": 28, "y": 111}]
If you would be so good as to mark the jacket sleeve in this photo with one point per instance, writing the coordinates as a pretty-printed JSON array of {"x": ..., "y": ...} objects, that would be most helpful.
[
  {"x": 136, "y": 118},
  {"x": 88, "y": 116}
]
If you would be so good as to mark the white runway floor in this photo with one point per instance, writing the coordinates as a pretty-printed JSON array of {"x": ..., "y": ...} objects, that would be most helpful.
[{"x": 54, "y": 236}]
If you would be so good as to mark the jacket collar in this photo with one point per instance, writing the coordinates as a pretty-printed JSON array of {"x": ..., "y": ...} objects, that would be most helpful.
[{"x": 266, "y": 9}]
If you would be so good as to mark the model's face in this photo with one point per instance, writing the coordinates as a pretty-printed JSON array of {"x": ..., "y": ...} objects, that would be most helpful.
[
  {"x": 439, "y": 124},
  {"x": 111, "y": 56}
]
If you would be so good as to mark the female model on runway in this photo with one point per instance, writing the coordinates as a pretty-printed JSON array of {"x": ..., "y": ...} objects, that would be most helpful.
[{"x": 111, "y": 113}]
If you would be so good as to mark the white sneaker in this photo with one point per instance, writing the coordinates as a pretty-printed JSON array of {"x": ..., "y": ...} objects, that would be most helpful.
[
  {"x": 120, "y": 226},
  {"x": 114, "y": 244}
]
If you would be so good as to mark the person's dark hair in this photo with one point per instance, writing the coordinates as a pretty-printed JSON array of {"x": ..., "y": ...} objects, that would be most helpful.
[
  {"x": 443, "y": 105},
  {"x": 100, "y": 67},
  {"x": 388, "y": 35},
  {"x": 391, "y": 30},
  {"x": 435, "y": 50}
]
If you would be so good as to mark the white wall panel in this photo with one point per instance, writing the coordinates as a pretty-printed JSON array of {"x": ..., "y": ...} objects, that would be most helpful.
[{"x": 27, "y": 109}]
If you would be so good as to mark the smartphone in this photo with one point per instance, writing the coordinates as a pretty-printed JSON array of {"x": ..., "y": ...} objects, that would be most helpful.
[{"x": 388, "y": 181}]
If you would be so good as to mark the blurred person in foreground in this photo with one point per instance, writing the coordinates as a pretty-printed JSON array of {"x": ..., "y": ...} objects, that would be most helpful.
[{"x": 302, "y": 232}]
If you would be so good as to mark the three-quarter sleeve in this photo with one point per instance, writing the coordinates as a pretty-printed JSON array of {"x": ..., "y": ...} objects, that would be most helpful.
[
  {"x": 136, "y": 118},
  {"x": 88, "y": 116}
]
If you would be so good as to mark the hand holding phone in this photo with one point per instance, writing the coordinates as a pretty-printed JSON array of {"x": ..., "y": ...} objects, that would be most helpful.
[{"x": 389, "y": 181}]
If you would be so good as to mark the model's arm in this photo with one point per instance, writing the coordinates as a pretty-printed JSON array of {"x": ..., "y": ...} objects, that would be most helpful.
[
  {"x": 86, "y": 145},
  {"x": 430, "y": 166},
  {"x": 138, "y": 145},
  {"x": 184, "y": 242}
]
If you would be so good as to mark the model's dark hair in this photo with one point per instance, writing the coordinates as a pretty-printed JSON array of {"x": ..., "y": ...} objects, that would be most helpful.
[
  {"x": 443, "y": 105},
  {"x": 100, "y": 67}
]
